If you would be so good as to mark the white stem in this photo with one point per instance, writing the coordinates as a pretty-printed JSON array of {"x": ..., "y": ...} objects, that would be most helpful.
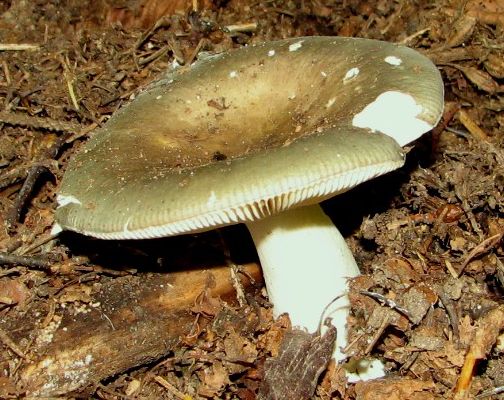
[{"x": 306, "y": 264}]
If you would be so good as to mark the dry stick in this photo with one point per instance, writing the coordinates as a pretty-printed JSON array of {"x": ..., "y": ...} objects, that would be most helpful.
[
  {"x": 408, "y": 39},
  {"x": 7, "y": 341},
  {"x": 30, "y": 262},
  {"x": 385, "y": 323},
  {"x": 69, "y": 78},
  {"x": 384, "y": 301},
  {"x": 448, "y": 115},
  {"x": 481, "y": 248},
  {"x": 19, "y": 172},
  {"x": 172, "y": 389},
  {"x": 451, "y": 270},
  {"x": 33, "y": 175},
  {"x": 203, "y": 42},
  {"x": 490, "y": 392},
  {"x": 247, "y": 27},
  {"x": 154, "y": 56},
  {"x": 18, "y": 47},
  {"x": 472, "y": 126},
  {"x": 38, "y": 167},
  {"x": 450, "y": 309},
  {"x": 235, "y": 269},
  {"x": 40, "y": 241},
  {"x": 487, "y": 332},
  {"x": 14, "y": 214},
  {"x": 5, "y": 67},
  {"x": 28, "y": 121},
  {"x": 409, "y": 361},
  {"x": 163, "y": 22}
]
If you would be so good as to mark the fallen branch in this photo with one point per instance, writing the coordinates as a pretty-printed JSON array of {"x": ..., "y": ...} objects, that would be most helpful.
[{"x": 130, "y": 321}]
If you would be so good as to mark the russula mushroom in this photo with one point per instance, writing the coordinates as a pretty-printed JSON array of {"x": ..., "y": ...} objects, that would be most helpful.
[{"x": 259, "y": 135}]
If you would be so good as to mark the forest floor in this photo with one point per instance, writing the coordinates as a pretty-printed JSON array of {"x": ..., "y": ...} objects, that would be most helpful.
[{"x": 83, "y": 318}]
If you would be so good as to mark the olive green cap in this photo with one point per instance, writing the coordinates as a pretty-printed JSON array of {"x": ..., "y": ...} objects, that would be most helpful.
[{"x": 246, "y": 134}]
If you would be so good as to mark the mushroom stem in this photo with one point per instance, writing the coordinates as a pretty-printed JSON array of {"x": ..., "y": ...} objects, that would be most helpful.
[{"x": 306, "y": 264}]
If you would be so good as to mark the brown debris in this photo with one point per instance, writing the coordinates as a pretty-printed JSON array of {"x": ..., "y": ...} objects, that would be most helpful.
[
  {"x": 485, "y": 337},
  {"x": 430, "y": 245},
  {"x": 294, "y": 373},
  {"x": 75, "y": 349},
  {"x": 395, "y": 389}
]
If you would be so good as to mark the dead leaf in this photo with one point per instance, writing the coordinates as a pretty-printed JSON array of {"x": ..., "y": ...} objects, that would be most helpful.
[
  {"x": 13, "y": 291},
  {"x": 214, "y": 379},
  {"x": 395, "y": 389},
  {"x": 462, "y": 30}
]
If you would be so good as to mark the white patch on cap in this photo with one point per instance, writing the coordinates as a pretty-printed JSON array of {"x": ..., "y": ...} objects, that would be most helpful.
[
  {"x": 330, "y": 102},
  {"x": 296, "y": 46},
  {"x": 233, "y": 74},
  {"x": 393, "y": 60},
  {"x": 271, "y": 53},
  {"x": 324, "y": 74},
  {"x": 394, "y": 114},
  {"x": 351, "y": 73},
  {"x": 64, "y": 200}
]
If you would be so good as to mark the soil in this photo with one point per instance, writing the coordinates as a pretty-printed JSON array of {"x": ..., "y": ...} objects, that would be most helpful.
[{"x": 429, "y": 244}]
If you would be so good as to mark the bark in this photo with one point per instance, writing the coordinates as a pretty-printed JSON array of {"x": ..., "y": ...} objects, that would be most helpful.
[{"x": 138, "y": 319}]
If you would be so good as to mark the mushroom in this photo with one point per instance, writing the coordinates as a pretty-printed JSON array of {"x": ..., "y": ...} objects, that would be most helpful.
[{"x": 259, "y": 135}]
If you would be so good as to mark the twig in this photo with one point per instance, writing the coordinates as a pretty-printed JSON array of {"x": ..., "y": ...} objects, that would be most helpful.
[
  {"x": 30, "y": 262},
  {"x": 485, "y": 336},
  {"x": 10, "y": 344},
  {"x": 172, "y": 389},
  {"x": 451, "y": 270},
  {"x": 393, "y": 18},
  {"x": 471, "y": 126},
  {"x": 163, "y": 22},
  {"x": 203, "y": 42},
  {"x": 154, "y": 56},
  {"x": 450, "y": 309},
  {"x": 387, "y": 302},
  {"x": 5, "y": 67},
  {"x": 248, "y": 27},
  {"x": 240, "y": 293},
  {"x": 18, "y": 47},
  {"x": 490, "y": 392},
  {"x": 385, "y": 323},
  {"x": 234, "y": 270},
  {"x": 14, "y": 214},
  {"x": 69, "y": 78},
  {"x": 448, "y": 114},
  {"x": 409, "y": 361},
  {"x": 28, "y": 121},
  {"x": 19, "y": 172},
  {"x": 408, "y": 39},
  {"x": 37, "y": 243},
  {"x": 83, "y": 132},
  {"x": 32, "y": 177},
  {"x": 481, "y": 248}
]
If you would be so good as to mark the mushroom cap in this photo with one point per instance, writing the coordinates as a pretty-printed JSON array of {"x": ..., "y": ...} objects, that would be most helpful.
[{"x": 246, "y": 134}]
